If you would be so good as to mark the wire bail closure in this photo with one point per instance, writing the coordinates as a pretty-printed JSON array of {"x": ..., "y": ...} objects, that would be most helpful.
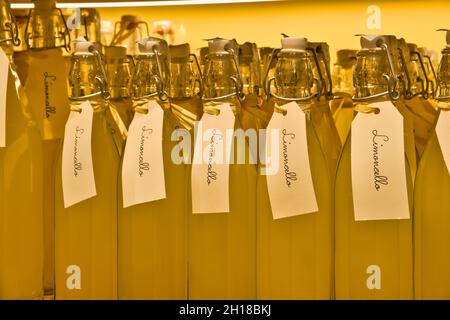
[
  {"x": 102, "y": 80},
  {"x": 392, "y": 81},
  {"x": 267, "y": 83},
  {"x": 199, "y": 78},
  {"x": 238, "y": 83},
  {"x": 65, "y": 35},
  {"x": 12, "y": 28}
]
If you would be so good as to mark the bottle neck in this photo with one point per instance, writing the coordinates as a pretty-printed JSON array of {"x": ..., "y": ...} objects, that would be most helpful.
[
  {"x": 118, "y": 73},
  {"x": 369, "y": 80},
  {"x": 343, "y": 79},
  {"x": 250, "y": 74},
  {"x": 149, "y": 78},
  {"x": 6, "y": 42},
  {"x": 444, "y": 73},
  {"x": 293, "y": 75},
  {"x": 83, "y": 76},
  {"x": 219, "y": 71},
  {"x": 46, "y": 29},
  {"x": 182, "y": 79}
]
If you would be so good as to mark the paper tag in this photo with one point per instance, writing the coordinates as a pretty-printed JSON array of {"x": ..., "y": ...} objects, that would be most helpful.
[
  {"x": 77, "y": 168},
  {"x": 378, "y": 165},
  {"x": 4, "y": 73},
  {"x": 443, "y": 134},
  {"x": 210, "y": 168},
  {"x": 143, "y": 163},
  {"x": 46, "y": 88},
  {"x": 291, "y": 189}
]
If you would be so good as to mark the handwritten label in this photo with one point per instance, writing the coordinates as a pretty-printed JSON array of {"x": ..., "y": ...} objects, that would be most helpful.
[
  {"x": 77, "y": 168},
  {"x": 143, "y": 163},
  {"x": 291, "y": 189},
  {"x": 46, "y": 88},
  {"x": 210, "y": 168},
  {"x": 443, "y": 134},
  {"x": 4, "y": 73},
  {"x": 378, "y": 165}
]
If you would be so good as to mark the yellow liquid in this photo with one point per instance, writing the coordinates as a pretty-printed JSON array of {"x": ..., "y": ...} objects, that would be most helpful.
[
  {"x": 86, "y": 233},
  {"x": 153, "y": 235},
  {"x": 360, "y": 244},
  {"x": 432, "y": 225},
  {"x": 51, "y": 151},
  {"x": 222, "y": 257},
  {"x": 343, "y": 114},
  {"x": 423, "y": 115},
  {"x": 295, "y": 254},
  {"x": 21, "y": 210},
  {"x": 125, "y": 109},
  {"x": 327, "y": 133}
]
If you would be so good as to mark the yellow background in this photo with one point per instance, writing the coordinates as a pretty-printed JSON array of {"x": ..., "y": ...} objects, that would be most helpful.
[{"x": 333, "y": 21}]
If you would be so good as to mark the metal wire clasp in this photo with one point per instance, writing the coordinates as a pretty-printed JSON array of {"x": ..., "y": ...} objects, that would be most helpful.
[
  {"x": 424, "y": 82},
  {"x": 199, "y": 77},
  {"x": 267, "y": 83},
  {"x": 12, "y": 28},
  {"x": 392, "y": 81},
  {"x": 102, "y": 80},
  {"x": 64, "y": 34}
]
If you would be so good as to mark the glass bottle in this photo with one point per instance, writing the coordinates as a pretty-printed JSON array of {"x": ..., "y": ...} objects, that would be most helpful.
[
  {"x": 362, "y": 246},
  {"x": 321, "y": 114},
  {"x": 128, "y": 31},
  {"x": 222, "y": 261},
  {"x": 185, "y": 85},
  {"x": 86, "y": 232},
  {"x": 153, "y": 235},
  {"x": 20, "y": 54},
  {"x": 119, "y": 68},
  {"x": 342, "y": 104},
  {"x": 21, "y": 210},
  {"x": 417, "y": 100},
  {"x": 46, "y": 85},
  {"x": 254, "y": 116},
  {"x": 295, "y": 254},
  {"x": 431, "y": 205}
]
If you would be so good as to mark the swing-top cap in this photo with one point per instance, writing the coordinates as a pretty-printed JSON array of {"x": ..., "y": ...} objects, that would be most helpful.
[
  {"x": 447, "y": 37},
  {"x": 294, "y": 44},
  {"x": 246, "y": 52},
  {"x": 130, "y": 18},
  {"x": 115, "y": 52},
  {"x": 150, "y": 44},
  {"x": 346, "y": 57},
  {"x": 321, "y": 48},
  {"x": 180, "y": 51},
  {"x": 218, "y": 45},
  {"x": 83, "y": 47},
  {"x": 413, "y": 47},
  {"x": 370, "y": 42}
]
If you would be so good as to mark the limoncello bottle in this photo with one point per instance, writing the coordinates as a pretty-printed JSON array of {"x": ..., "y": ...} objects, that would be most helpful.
[
  {"x": 222, "y": 224},
  {"x": 416, "y": 96},
  {"x": 431, "y": 205},
  {"x": 118, "y": 70},
  {"x": 295, "y": 243},
  {"x": 321, "y": 114},
  {"x": 153, "y": 226},
  {"x": 46, "y": 88},
  {"x": 185, "y": 85},
  {"x": 342, "y": 105},
  {"x": 128, "y": 31},
  {"x": 86, "y": 187},
  {"x": 21, "y": 187},
  {"x": 373, "y": 193},
  {"x": 254, "y": 116}
]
